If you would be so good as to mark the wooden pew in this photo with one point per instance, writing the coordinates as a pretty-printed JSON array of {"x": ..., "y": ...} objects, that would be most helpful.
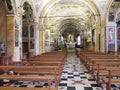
[
  {"x": 101, "y": 62},
  {"x": 112, "y": 72},
  {"x": 22, "y": 88},
  {"x": 46, "y": 61},
  {"x": 47, "y": 69},
  {"x": 55, "y": 71},
  {"x": 92, "y": 65},
  {"x": 37, "y": 62},
  {"x": 101, "y": 69},
  {"x": 82, "y": 55},
  {"x": 42, "y": 63},
  {"x": 49, "y": 79},
  {"x": 47, "y": 57},
  {"x": 106, "y": 56}
]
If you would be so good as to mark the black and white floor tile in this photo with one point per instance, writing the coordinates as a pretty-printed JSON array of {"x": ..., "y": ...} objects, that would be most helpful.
[{"x": 74, "y": 77}]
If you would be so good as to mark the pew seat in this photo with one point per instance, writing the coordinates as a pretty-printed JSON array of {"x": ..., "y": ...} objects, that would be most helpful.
[
  {"x": 113, "y": 77},
  {"x": 114, "y": 80},
  {"x": 48, "y": 79},
  {"x": 22, "y": 88}
]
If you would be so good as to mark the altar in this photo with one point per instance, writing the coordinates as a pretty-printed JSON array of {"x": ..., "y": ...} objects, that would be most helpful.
[{"x": 70, "y": 45}]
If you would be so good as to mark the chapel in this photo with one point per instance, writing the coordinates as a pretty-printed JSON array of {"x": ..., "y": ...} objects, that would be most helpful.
[{"x": 59, "y": 44}]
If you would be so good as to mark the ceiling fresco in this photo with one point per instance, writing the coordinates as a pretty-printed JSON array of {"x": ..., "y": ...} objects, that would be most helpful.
[
  {"x": 61, "y": 16},
  {"x": 67, "y": 15}
]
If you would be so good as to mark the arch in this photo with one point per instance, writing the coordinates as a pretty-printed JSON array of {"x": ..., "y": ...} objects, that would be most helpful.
[
  {"x": 94, "y": 17},
  {"x": 106, "y": 13},
  {"x": 117, "y": 18},
  {"x": 30, "y": 2},
  {"x": 28, "y": 31},
  {"x": 90, "y": 4}
]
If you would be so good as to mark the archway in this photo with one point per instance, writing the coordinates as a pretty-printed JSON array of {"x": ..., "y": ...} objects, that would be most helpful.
[
  {"x": 28, "y": 40},
  {"x": 111, "y": 17},
  {"x": 64, "y": 16}
]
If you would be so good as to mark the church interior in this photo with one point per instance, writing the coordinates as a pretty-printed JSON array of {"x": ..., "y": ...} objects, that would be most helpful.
[{"x": 59, "y": 45}]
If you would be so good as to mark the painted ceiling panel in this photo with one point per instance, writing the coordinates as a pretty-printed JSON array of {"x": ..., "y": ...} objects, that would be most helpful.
[{"x": 74, "y": 11}]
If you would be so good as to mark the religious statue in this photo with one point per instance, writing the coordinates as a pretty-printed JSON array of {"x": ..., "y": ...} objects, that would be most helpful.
[{"x": 70, "y": 38}]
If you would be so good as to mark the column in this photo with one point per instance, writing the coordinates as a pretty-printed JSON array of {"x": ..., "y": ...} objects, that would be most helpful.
[
  {"x": 41, "y": 41},
  {"x": 10, "y": 35}
]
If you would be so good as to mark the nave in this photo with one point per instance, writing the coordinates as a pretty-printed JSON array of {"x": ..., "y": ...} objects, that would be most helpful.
[{"x": 75, "y": 76}]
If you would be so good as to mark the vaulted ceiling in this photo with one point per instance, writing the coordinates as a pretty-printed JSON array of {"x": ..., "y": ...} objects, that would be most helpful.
[
  {"x": 66, "y": 16},
  {"x": 69, "y": 16}
]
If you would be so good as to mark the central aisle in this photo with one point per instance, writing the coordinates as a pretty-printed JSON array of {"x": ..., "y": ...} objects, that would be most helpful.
[{"x": 75, "y": 76}]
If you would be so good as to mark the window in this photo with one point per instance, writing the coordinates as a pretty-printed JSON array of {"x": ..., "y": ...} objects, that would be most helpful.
[{"x": 79, "y": 41}]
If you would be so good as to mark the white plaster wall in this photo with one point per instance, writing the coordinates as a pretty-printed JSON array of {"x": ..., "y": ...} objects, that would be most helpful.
[
  {"x": 37, "y": 44},
  {"x": 16, "y": 55},
  {"x": 17, "y": 50}
]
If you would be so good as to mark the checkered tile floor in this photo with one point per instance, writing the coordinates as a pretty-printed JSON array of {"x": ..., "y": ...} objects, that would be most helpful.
[{"x": 74, "y": 77}]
